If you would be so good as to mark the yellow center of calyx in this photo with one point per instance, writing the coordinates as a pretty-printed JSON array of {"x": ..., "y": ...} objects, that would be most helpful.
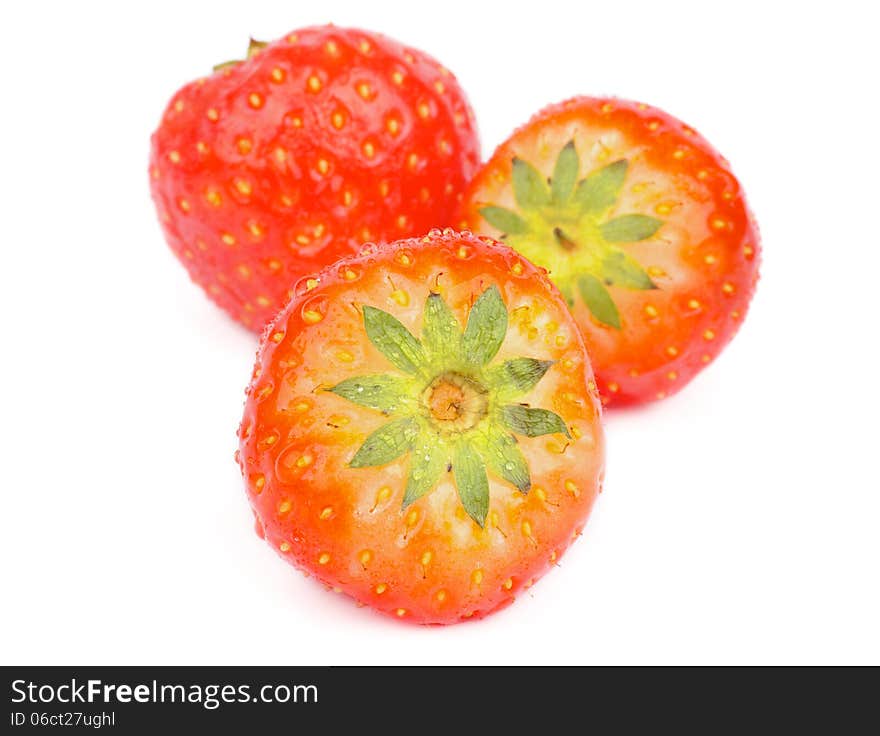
[{"x": 455, "y": 402}]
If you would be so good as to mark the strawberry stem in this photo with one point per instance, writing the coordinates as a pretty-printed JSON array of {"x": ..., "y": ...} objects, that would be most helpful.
[{"x": 566, "y": 242}]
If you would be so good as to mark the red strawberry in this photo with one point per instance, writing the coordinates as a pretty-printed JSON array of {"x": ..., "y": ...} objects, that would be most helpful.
[
  {"x": 273, "y": 167},
  {"x": 642, "y": 227},
  {"x": 422, "y": 430}
]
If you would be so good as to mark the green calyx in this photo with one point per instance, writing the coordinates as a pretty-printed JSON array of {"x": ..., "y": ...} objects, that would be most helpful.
[
  {"x": 565, "y": 223},
  {"x": 254, "y": 48},
  {"x": 453, "y": 410}
]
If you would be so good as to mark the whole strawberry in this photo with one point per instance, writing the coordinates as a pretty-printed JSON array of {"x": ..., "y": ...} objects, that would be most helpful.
[
  {"x": 275, "y": 166},
  {"x": 422, "y": 430}
]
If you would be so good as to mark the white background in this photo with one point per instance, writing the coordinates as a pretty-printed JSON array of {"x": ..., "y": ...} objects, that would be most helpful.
[{"x": 740, "y": 519}]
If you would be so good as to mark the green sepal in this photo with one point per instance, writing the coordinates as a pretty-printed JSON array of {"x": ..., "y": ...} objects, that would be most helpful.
[
  {"x": 529, "y": 187},
  {"x": 599, "y": 301},
  {"x": 619, "y": 269},
  {"x": 386, "y": 393},
  {"x": 486, "y": 328},
  {"x": 505, "y": 220},
  {"x": 629, "y": 228},
  {"x": 254, "y": 47},
  {"x": 387, "y": 443},
  {"x": 502, "y": 455},
  {"x": 598, "y": 191},
  {"x": 428, "y": 461},
  {"x": 471, "y": 481},
  {"x": 441, "y": 332},
  {"x": 394, "y": 341},
  {"x": 565, "y": 174},
  {"x": 532, "y": 422},
  {"x": 516, "y": 376}
]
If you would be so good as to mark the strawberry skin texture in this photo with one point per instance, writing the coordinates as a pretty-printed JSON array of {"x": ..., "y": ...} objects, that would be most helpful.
[
  {"x": 693, "y": 266},
  {"x": 429, "y": 562},
  {"x": 271, "y": 168}
]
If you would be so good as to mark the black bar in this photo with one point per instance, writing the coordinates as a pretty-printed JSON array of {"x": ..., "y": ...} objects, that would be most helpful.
[{"x": 134, "y": 700}]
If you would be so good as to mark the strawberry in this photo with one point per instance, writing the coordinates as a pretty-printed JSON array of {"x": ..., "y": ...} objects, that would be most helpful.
[
  {"x": 422, "y": 430},
  {"x": 273, "y": 167},
  {"x": 640, "y": 224}
]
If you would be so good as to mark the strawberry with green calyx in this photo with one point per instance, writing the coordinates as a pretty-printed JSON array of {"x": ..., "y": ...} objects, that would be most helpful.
[
  {"x": 453, "y": 411},
  {"x": 276, "y": 165},
  {"x": 640, "y": 224},
  {"x": 423, "y": 431}
]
